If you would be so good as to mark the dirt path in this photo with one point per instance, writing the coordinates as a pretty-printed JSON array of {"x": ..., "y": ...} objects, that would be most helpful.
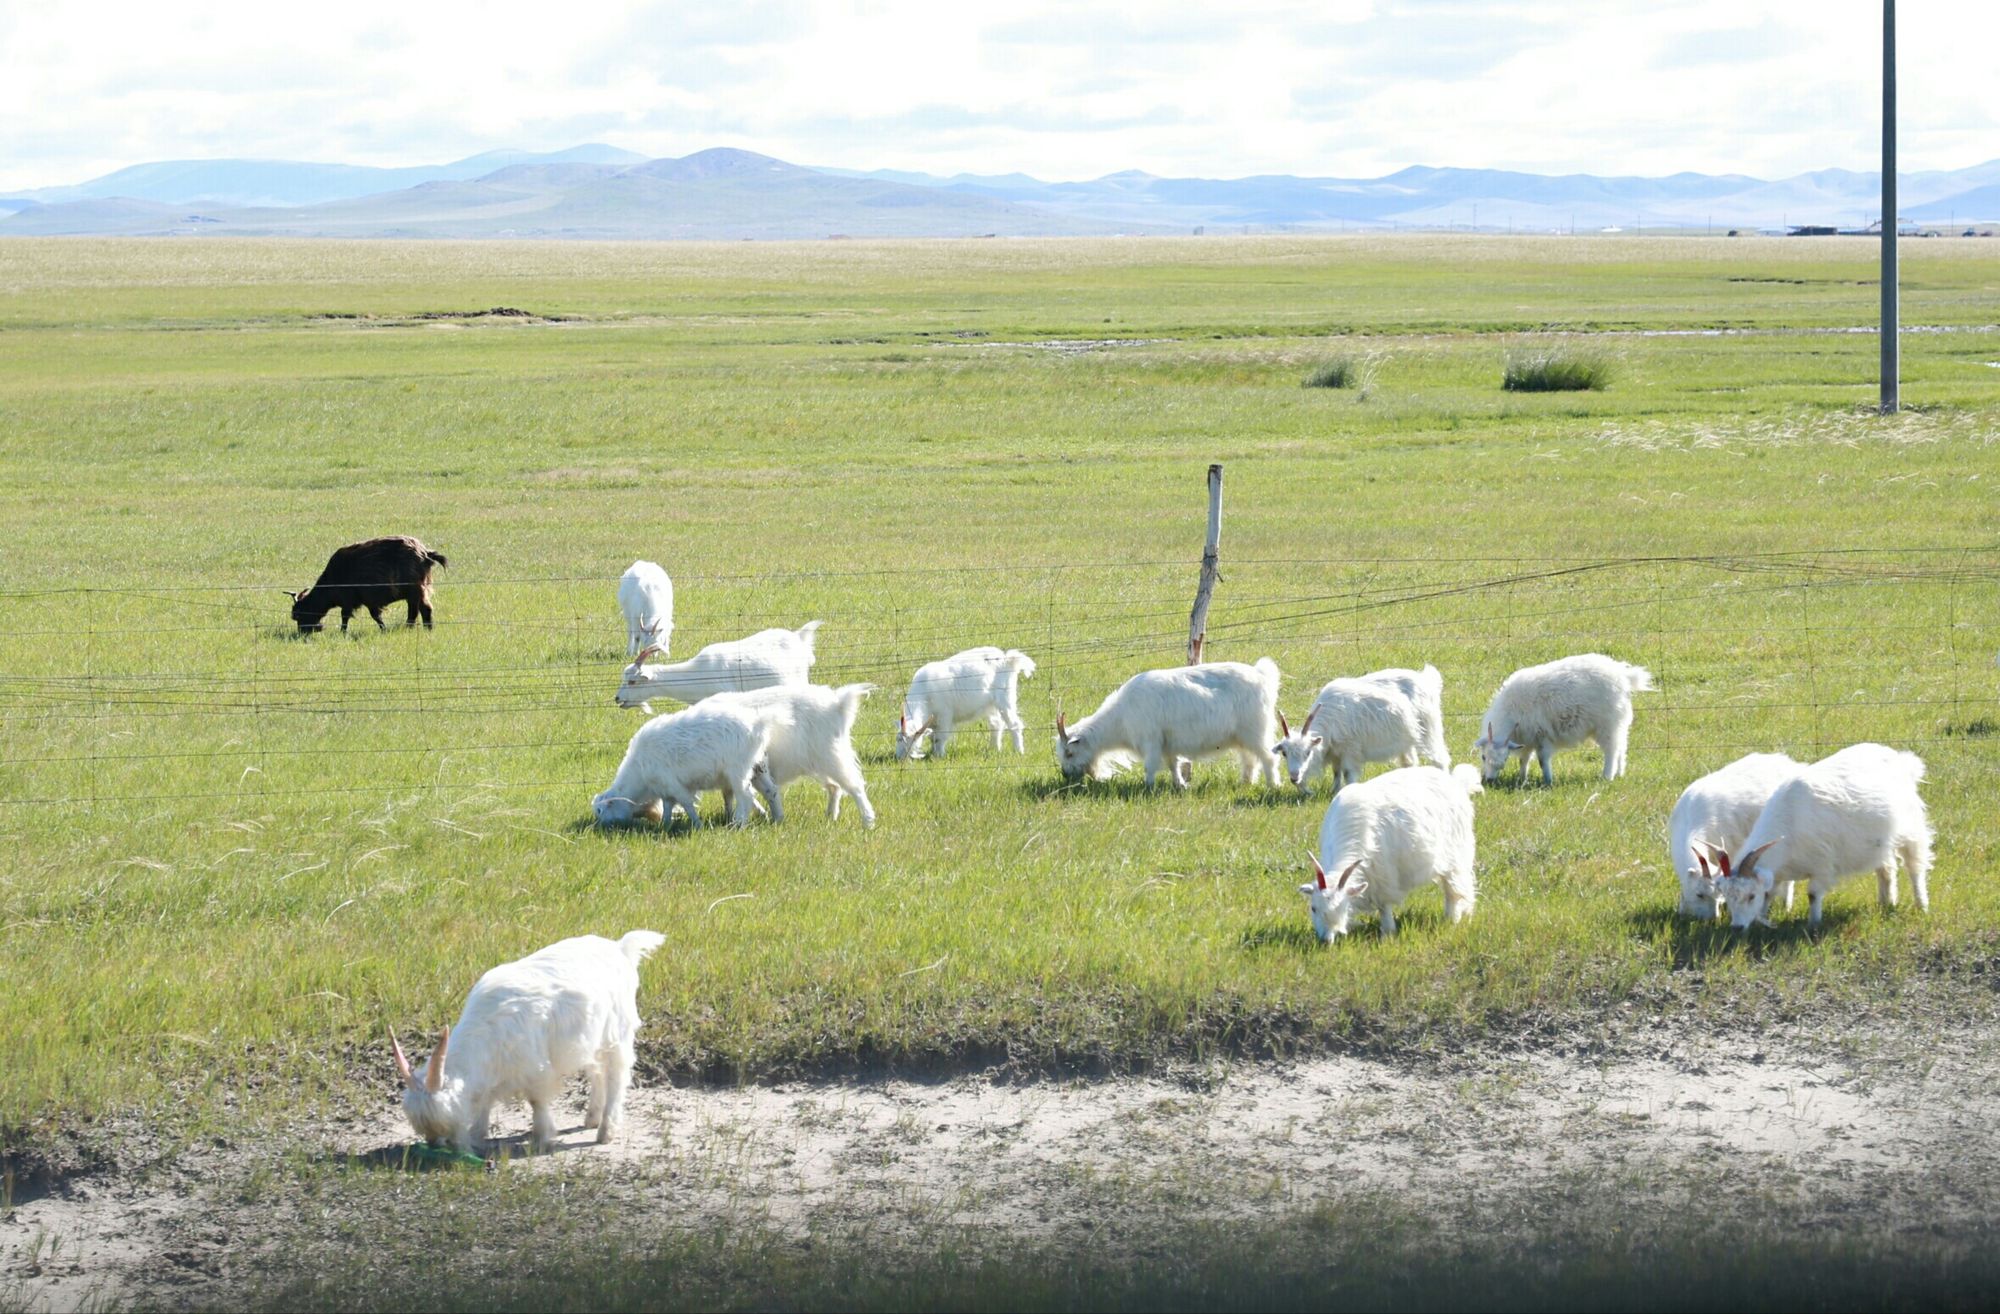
[{"x": 1237, "y": 1141}]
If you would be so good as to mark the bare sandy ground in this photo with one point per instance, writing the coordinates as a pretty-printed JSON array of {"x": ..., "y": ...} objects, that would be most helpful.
[{"x": 1026, "y": 1159}]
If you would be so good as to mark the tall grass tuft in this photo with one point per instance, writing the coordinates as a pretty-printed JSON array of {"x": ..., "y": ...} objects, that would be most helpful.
[
  {"x": 1345, "y": 373},
  {"x": 1340, "y": 372},
  {"x": 1556, "y": 369}
]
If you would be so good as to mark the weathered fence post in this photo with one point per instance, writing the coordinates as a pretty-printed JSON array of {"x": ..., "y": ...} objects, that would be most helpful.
[{"x": 1198, "y": 618}]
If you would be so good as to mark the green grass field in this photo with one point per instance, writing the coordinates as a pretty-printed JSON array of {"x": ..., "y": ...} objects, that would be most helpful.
[{"x": 233, "y": 858}]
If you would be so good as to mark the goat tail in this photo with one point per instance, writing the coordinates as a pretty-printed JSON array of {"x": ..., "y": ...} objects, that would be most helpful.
[
  {"x": 808, "y": 631},
  {"x": 1269, "y": 670},
  {"x": 434, "y": 557},
  {"x": 1638, "y": 679},
  {"x": 1019, "y": 662},
  {"x": 1431, "y": 681},
  {"x": 1912, "y": 765},
  {"x": 638, "y": 945}
]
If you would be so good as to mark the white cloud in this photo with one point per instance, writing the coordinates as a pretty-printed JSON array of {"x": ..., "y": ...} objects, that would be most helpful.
[{"x": 1059, "y": 89}]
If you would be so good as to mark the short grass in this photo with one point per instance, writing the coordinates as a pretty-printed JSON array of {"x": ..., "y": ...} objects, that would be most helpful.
[{"x": 232, "y": 858}]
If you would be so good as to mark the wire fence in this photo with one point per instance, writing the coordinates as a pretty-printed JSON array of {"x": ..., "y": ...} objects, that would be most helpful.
[{"x": 127, "y": 695}]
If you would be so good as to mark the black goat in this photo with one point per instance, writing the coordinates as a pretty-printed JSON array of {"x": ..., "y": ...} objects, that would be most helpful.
[{"x": 373, "y": 574}]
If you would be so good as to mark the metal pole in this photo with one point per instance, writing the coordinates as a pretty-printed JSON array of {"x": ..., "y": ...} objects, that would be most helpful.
[{"x": 1891, "y": 312}]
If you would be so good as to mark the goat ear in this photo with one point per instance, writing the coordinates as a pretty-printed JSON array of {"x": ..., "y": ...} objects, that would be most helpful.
[
  {"x": 435, "y": 1077},
  {"x": 1283, "y": 727},
  {"x": 402, "y": 1061}
]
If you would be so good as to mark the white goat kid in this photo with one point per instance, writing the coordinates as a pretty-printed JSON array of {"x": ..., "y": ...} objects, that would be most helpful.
[
  {"x": 1388, "y": 838},
  {"x": 1560, "y": 704},
  {"x": 673, "y": 758},
  {"x": 811, "y": 730},
  {"x": 1168, "y": 718},
  {"x": 646, "y": 596},
  {"x": 979, "y": 684},
  {"x": 1713, "y": 817},
  {"x": 765, "y": 659},
  {"x": 1350, "y": 724},
  {"x": 1425, "y": 690},
  {"x": 527, "y": 1028},
  {"x": 1856, "y": 811}
]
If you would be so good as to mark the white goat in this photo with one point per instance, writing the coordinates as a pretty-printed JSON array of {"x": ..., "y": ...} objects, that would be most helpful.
[
  {"x": 528, "y": 1027},
  {"x": 1388, "y": 838},
  {"x": 1425, "y": 690},
  {"x": 1718, "y": 810},
  {"x": 1559, "y": 704},
  {"x": 672, "y": 758},
  {"x": 1168, "y": 718},
  {"x": 1853, "y": 812},
  {"x": 1350, "y": 724},
  {"x": 977, "y": 684},
  {"x": 811, "y": 729},
  {"x": 646, "y": 596},
  {"x": 766, "y": 658}
]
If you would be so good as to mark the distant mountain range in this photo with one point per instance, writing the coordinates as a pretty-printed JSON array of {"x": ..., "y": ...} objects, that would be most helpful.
[{"x": 598, "y": 191}]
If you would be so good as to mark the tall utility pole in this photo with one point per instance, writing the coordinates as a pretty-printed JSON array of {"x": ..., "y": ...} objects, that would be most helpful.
[{"x": 1891, "y": 312}]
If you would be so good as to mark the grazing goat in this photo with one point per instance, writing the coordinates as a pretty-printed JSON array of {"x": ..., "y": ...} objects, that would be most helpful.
[
  {"x": 766, "y": 658},
  {"x": 1425, "y": 690},
  {"x": 372, "y": 574},
  {"x": 977, "y": 684},
  {"x": 527, "y": 1028},
  {"x": 646, "y": 596},
  {"x": 1559, "y": 704},
  {"x": 1389, "y": 837},
  {"x": 673, "y": 758},
  {"x": 811, "y": 729},
  {"x": 1350, "y": 724},
  {"x": 1856, "y": 811},
  {"x": 1167, "y": 718},
  {"x": 1718, "y": 810}
]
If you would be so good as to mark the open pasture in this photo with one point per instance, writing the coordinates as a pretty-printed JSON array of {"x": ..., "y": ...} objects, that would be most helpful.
[{"x": 232, "y": 857}]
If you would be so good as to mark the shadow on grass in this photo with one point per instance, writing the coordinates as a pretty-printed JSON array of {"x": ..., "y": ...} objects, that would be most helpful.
[
  {"x": 417, "y": 1157},
  {"x": 1691, "y": 943},
  {"x": 1130, "y": 785},
  {"x": 1295, "y": 936}
]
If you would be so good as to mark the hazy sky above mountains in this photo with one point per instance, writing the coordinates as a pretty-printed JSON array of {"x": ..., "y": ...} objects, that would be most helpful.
[{"x": 1059, "y": 89}]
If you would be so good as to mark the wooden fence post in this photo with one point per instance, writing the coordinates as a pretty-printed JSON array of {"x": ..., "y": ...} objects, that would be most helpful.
[{"x": 1198, "y": 618}]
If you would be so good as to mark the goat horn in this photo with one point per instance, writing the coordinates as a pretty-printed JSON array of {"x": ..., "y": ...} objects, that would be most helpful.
[
  {"x": 1342, "y": 882},
  {"x": 402, "y": 1061},
  {"x": 1319, "y": 872},
  {"x": 1309, "y": 719},
  {"x": 1062, "y": 726},
  {"x": 1284, "y": 728},
  {"x": 435, "y": 1077}
]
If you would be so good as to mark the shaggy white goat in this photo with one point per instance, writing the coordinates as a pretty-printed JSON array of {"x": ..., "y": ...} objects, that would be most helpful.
[
  {"x": 1168, "y": 718},
  {"x": 1559, "y": 704},
  {"x": 672, "y": 758},
  {"x": 1350, "y": 724},
  {"x": 811, "y": 729},
  {"x": 1388, "y": 838},
  {"x": 766, "y": 658},
  {"x": 528, "y": 1027},
  {"x": 646, "y": 596},
  {"x": 1425, "y": 690},
  {"x": 1856, "y": 811},
  {"x": 1718, "y": 810},
  {"x": 979, "y": 684}
]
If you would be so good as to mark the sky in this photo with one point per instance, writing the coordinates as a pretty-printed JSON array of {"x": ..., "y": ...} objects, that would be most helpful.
[{"x": 1054, "y": 88}]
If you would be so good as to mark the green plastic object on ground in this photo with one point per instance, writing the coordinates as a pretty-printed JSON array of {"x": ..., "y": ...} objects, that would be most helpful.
[{"x": 421, "y": 1155}]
